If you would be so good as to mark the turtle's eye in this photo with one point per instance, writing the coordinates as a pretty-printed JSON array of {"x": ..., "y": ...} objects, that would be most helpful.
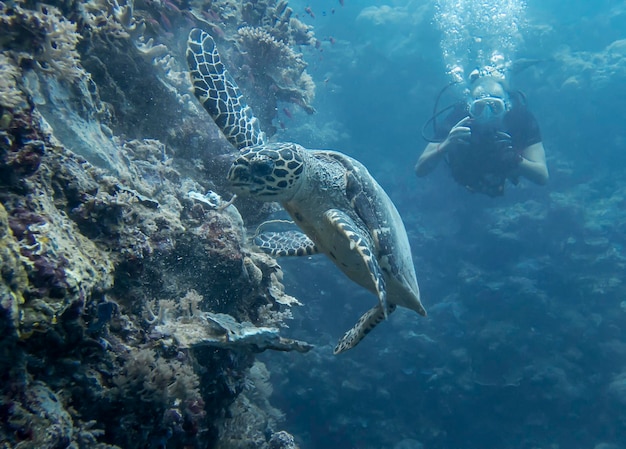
[{"x": 262, "y": 168}]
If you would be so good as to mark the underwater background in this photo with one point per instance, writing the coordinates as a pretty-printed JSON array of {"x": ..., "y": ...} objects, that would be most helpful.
[
  {"x": 524, "y": 343},
  {"x": 119, "y": 278}
]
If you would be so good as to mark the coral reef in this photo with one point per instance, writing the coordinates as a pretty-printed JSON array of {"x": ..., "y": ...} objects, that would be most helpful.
[
  {"x": 246, "y": 408},
  {"x": 131, "y": 310},
  {"x": 78, "y": 250},
  {"x": 271, "y": 71},
  {"x": 272, "y": 65},
  {"x": 593, "y": 70}
]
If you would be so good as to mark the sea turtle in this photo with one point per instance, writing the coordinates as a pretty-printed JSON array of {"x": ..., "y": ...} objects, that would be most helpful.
[{"x": 342, "y": 210}]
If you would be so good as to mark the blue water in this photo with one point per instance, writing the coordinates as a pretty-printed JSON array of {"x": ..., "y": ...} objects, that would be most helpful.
[{"x": 525, "y": 342}]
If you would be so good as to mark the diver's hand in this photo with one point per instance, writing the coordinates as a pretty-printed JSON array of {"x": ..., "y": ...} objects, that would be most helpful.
[
  {"x": 460, "y": 134},
  {"x": 504, "y": 141},
  {"x": 509, "y": 158}
]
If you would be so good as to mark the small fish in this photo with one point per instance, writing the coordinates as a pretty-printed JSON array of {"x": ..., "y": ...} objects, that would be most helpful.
[
  {"x": 318, "y": 43},
  {"x": 331, "y": 40},
  {"x": 341, "y": 2},
  {"x": 165, "y": 22},
  {"x": 282, "y": 125},
  {"x": 217, "y": 31},
  {"x": 171, "y": 6},
  {"x": 309, "y": 11},
  {"x": 287, "y": 112},
  {"x": 154, "y": 24},
  {"x": 211, "y": 15}
]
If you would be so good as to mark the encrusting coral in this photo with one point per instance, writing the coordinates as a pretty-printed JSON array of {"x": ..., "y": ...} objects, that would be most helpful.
[
  {"x": 13, "y": 276},
  {"x": 70, "y": 232},
  {"x": 10, "y": 95}
]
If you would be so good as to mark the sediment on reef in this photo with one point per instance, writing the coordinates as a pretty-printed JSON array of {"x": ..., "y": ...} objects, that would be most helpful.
[{"x": 108, "y": 264}]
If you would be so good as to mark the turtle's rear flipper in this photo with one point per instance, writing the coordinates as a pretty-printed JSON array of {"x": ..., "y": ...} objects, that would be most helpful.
[
  {"x": 218, "y": 92},
  {"x": 366, "y": 323},
  {"x": 288, "y": 243}
]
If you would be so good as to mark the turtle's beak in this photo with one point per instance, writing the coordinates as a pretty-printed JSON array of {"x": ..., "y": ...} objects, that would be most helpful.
[{"x": 239, "y": 177}]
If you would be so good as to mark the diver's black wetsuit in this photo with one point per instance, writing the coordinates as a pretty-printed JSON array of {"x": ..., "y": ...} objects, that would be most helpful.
[{"x": 484, "y": 165}]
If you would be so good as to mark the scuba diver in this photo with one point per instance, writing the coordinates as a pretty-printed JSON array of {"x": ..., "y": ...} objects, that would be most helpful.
[{"x": 488, "y": 139}]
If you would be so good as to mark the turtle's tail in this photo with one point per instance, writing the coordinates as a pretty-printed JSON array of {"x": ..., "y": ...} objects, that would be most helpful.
[{"x": 366, "y": 323}]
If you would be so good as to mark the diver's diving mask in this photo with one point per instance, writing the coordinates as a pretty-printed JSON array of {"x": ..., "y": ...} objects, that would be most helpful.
[{"x": 488, "y": 109}]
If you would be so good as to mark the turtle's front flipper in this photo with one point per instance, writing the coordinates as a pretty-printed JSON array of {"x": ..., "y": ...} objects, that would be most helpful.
[
  {"x": 354, "y": 245},
  {"x": 288, "y": 243},
  {"x": 366, "y": 323},
  {"x": 218, "y": 92}
]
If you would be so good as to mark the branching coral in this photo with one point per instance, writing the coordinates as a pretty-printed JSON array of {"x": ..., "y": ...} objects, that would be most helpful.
[
  {"x": 276, "y": 71},
  {"x": 300, "y": 33},
  {"x": 155, "y": 379},
  {"x": 259, "y": 390},
  {"x": 254, "y": 12},
  {"x": 114, "y": 25},
  {"x": 110, "y": 20},
  {"x": 45, "y": 35},
  {"x": 265, "y": 52},
  {"x": 59, "y": 46},
  {"x": 278, "y": 20},
  {"x": 250, "y": 426},
  {"x": 154, "y": 385},
  {"x": 253, "y": 417}
]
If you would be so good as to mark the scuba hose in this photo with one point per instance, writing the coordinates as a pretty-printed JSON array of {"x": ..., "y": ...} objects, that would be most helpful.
[
  {"x": 436, "y": 113},
  {"x": 518, "y": 95},
  {"x": 515, "y": 67}
]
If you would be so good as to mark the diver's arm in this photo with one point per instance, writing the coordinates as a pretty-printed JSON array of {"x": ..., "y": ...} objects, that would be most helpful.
[
  {"x": 429, "y": 159},
  {"x": 533, "y": 164},
  {"x": 433, "y": 153}
]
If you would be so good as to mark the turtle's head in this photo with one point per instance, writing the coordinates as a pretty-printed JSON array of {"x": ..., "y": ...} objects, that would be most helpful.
[{"x": 269, "y": 172}]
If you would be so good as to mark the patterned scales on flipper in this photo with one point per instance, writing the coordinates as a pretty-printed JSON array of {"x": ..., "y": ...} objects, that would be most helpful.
[
  {"x": 366, "y": 323},
  {"x": 287, "y": 243},
  {"x": 361, "y": 196},
  {"x": 219, "y": 94},
  {"x": 357, "y": 244}
]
